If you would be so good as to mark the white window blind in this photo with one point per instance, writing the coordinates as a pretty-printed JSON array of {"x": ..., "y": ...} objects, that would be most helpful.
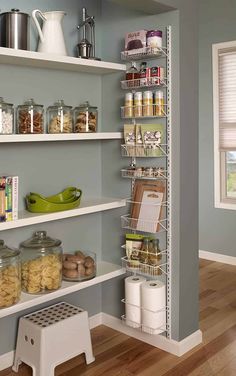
[{"x": 227, "y": 100}]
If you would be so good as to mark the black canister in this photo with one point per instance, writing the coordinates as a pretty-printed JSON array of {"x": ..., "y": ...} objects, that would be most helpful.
[{"x": 14, "y": 30}]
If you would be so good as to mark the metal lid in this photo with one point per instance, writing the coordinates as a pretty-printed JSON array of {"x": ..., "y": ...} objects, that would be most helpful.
[
  {"x": 15, "y": 11},
  {"x": 59, "y": 105},
  {"x": 40, "y": 240},
  {"x": 7, "y": 253}
]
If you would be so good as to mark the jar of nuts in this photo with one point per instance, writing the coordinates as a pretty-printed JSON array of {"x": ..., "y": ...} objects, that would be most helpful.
[
  {"x": 79, "y": 266},
  {"x": 59, "y": 118},
  {"x": 41, "y": 267},
  {"x": 6, "y": 117},
  {"x": 85, "y": 118},
  {"x": 30, "y": 117},
  {"x": 10, "y": 277}
]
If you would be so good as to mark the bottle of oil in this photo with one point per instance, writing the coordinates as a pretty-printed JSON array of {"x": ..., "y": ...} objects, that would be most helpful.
[
  {"x": 144, "y": 255},
  {"x": 154, "y": 258}
]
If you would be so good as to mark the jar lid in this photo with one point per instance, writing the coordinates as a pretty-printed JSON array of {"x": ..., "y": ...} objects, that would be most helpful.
[
  {"x": 154, "y": 33},
  {"x": 40, "y": 240},
  {"x": 2, "y": 103},
  {"x": 87, "y": 106},
  {"x": 30, "y": 103},
  {"x": 59, "y": 105},
  {"x": 6, "y": 252}
]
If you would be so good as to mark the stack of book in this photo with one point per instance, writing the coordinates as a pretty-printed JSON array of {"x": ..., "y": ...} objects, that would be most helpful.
[{"x": 8, "y": 198}]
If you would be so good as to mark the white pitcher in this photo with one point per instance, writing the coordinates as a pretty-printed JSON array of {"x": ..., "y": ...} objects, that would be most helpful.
[{"x": 51, "y": 38}]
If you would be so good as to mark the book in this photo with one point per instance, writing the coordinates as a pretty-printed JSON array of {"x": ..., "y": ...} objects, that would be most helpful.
[
  {"x": 2, "y": 200},
  {"x": 8, "y": 198},
  {"x": 15, "y": 192}
]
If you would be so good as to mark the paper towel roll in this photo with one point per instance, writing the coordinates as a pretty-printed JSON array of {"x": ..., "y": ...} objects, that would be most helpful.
[
  {"x": 133, "y": 300},
  {"x": 153, "y": 299}
]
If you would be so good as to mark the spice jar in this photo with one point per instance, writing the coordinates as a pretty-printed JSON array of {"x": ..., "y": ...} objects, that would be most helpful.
[
  {"x": 6, "y": 117},
  {"x": 41, "y": 269},
  {"x": 85, "y": 118},
  {"x": 30, "y": 117},
  {"x": 10, "y": 278},
  {"x": 79, "y": 266},
  {"x": 59, "y": 118}
]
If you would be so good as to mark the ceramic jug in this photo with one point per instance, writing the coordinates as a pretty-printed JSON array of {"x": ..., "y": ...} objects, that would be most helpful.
[{"x": 51, "y": 38}]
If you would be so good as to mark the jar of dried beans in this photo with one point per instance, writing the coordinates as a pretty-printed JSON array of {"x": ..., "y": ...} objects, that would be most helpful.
[
  {"x": 59, "y": 118},
  {"x": 30, "y": 117},
  {"x": 85, "y": 118}
]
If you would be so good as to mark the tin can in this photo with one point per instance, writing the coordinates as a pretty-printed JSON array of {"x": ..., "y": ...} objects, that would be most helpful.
[
  {"x": 138, "y": 101},
  {"x": 157, "y": 75},
  {"x": 147, "y": 103},
  {"x": 128, "y": 109},
  {"x": 159, "y": 103}
]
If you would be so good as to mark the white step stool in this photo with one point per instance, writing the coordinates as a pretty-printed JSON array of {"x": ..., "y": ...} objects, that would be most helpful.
[{"x": 51, "y": 336}]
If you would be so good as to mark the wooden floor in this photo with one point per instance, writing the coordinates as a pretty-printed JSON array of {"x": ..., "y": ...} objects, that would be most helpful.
[{"x": 119, "y": 355}]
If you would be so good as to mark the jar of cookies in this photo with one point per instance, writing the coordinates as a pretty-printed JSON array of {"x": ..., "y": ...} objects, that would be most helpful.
[
  {"x": 85, "y": 118},
  {"x": 10, "y": 277},
  {"x": 41, "y": 266},
  {"x": 79, "y": 266},
  {"x": 59, "y": 118},
  {"x": 30, "y": 118}
]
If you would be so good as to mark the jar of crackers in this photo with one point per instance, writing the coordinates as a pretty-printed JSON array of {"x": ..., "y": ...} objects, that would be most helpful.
[
  {"x": 59, "y": 118},
  {"x": 10, "y": 276},
  {"x": 41, "y": 267},
  {"x": 30, "y": 118},
  {"x": 85, "y": 118}
]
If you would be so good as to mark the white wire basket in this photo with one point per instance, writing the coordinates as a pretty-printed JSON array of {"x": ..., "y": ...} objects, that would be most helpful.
[
  {"x": 146, "y": 111},
  {"x": 144, "y": 52},
  {"x": 149, "y": 226},
  {"x": 143, "y": 151},
  {"x": 149, "y": 173},
  {"x": 149, "y": 82},
  {"x": 148, "y": 270}
]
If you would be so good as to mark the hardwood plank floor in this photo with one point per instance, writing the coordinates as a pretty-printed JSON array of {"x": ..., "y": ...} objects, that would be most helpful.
[{"x": 119, "y": 355}]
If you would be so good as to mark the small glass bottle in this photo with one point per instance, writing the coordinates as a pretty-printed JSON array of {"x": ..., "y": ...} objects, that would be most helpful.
[
  {"x": 155, "y": 257},
  {"x": 144, "y": 255},
  {"x": 30, "y": 118},
  {"x": 6, "y": 117},
  {"x": 132, "y": 74},
  {"x": 85, "y": 118},
  {"x": 59, "y": 118}
]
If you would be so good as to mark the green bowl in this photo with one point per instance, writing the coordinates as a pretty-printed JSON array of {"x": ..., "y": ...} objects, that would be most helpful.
[{"x": 65, "y": 200}]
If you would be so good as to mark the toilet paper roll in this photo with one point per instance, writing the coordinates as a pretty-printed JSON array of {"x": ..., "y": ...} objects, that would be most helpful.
[
  {"x": 153, "y": 301},
  {"x": 133, "y": 300}
]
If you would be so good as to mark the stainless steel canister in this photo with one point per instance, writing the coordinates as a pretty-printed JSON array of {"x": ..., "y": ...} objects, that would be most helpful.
[{"x": 14, "y": 30}]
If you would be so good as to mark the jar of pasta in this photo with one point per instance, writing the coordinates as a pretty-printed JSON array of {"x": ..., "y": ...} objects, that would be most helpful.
[
  {"x": 41, "y": 267},
  {"x": 10, "y": 278},
  {"x": 85, "y": 118},
  {"x": 30, "y": 118},
  {"x": 59, "y": 118}
]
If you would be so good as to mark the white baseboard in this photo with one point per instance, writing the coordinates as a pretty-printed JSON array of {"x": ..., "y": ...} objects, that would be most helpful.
[
  {"x": 171, "y": 346},
  {"x": 212, "y": 256},
  {"x": 163, "y": 343}
]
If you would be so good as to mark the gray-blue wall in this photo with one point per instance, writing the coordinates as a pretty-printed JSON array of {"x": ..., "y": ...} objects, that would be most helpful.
[{"x": 217, "y": 20}]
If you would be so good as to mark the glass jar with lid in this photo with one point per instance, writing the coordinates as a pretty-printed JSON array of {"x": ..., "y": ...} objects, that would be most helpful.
[
  {"x": 10, "y": 276},
  {"x": 41, "y": 268},
  {"x": 30, "y": 118},
  {"x": 85, "y": 118},
  {"x": 59, "y": 118},
  {"x": 6, "y": 117}
]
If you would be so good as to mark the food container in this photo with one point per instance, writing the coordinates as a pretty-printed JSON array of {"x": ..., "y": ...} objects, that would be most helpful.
[
  {"x": 154, "y": 38},
  {"x": 79, "y": 266},
  {"x": 59, "y": 118},
  {"x": 41, "y": 269},
  {"x": 10, "y": 277},
  {"x": 128, "y": 110},
  {"x": 6, "y": 117},
  {"x": 30, "y": 118},
  {"x": 85, "y": 118}
]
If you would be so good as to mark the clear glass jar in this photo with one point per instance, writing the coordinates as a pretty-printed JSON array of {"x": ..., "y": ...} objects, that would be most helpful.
[
  {"x": 79, "y": 266},
  {"x": 10, "y": 276},
  {"x": 41, "y": 268},
  {"x": 85, "y": 118},
  {"x": 59, "y": 118},
  {"x": 6, "y": 117},
  {"x": 30, "y": 118}
]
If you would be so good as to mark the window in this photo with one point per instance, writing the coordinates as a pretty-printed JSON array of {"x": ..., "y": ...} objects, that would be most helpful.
[{"x": 224, "y": 98}]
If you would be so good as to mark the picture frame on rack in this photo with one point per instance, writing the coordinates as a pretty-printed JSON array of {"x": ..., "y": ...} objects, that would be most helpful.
[{"x": 146, "y": 209}]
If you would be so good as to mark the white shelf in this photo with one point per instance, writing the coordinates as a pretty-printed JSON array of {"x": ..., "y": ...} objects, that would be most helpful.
[
  {"x": 50, "y": 61},
  {"x": 105, "y": 271},
  {"x": 87, "y": 206},
  {"x": 60, "y": 137}
]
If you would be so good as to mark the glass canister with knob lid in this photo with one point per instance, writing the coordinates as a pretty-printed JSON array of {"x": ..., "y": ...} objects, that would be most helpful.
[
  {"x": 10, "y": 276},
  {"x": 41, "y": 268},
  {"x": 59, "y": 118},
  {"x": 6, "y": 117},
  {"x": 30, "y": 118},
  {"x": 85, "y": 118}
]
